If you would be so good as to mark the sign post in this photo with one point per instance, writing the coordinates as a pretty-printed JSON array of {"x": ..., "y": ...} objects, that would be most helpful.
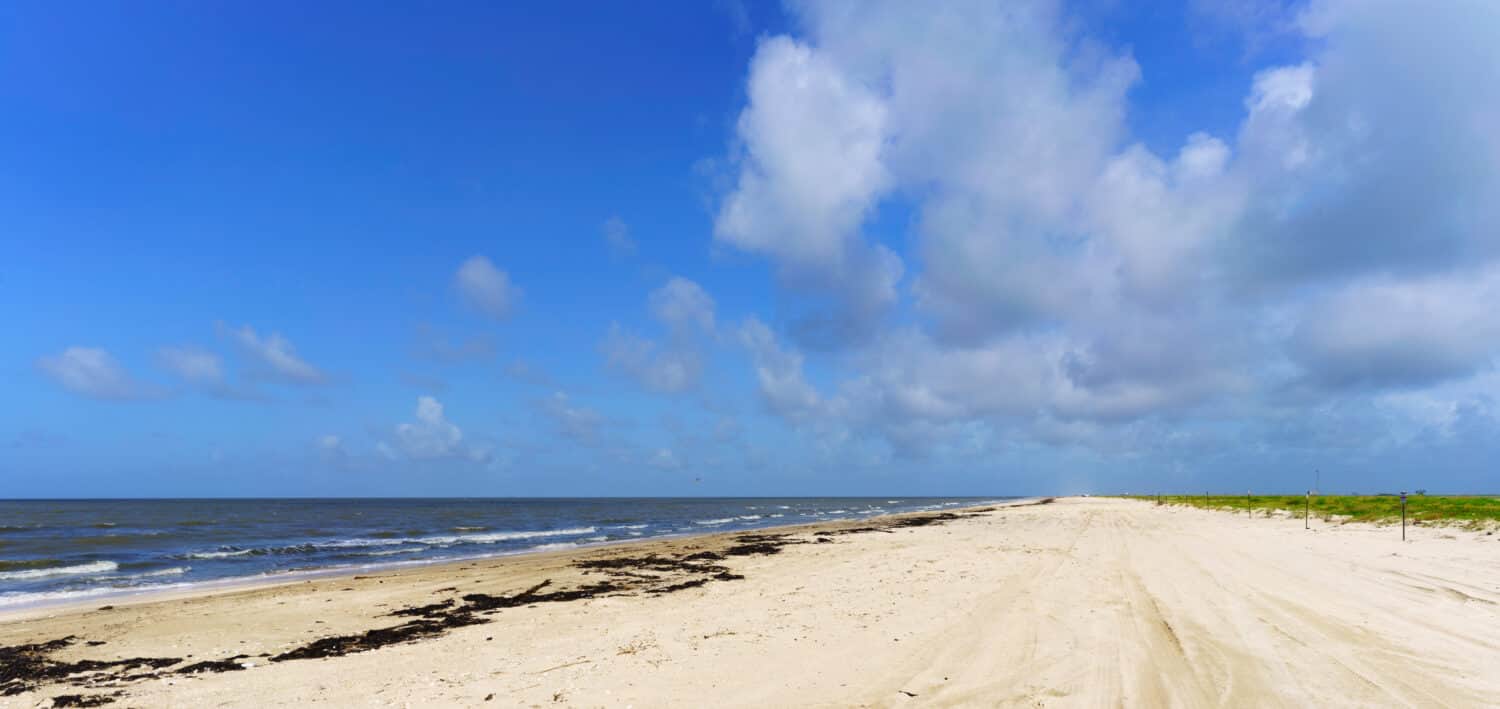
[{"x": 1403, "y": 515}]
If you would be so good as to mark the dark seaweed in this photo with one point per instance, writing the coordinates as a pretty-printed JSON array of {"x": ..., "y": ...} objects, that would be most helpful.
[
  {"x": 228, "y": 664},
  {"x": 26, "y": 667},
  {"x": 339, "y": 645},
  {"x": 427, "y": 611},
  {"x": 84, "y": 700}
]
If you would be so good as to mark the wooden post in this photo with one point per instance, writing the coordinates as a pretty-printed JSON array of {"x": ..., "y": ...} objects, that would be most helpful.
[
  {"x": 1307, "y": 512},
  {"x": 1403, "y": 515},
  {"x": 1247, "y": 503}
]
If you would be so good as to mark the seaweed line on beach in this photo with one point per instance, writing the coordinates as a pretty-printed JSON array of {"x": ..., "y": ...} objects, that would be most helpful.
[{"x": 25, "y": 668}]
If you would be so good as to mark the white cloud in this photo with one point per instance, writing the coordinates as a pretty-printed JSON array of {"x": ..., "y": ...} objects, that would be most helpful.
[
  {"x": 617, "y": 236},
  {"x": 331, "y": 449},
  {"x": 996, "y": 127},
  {"x": 485, "y": 287},
  {"x": 656, "y": 368},
  {"x": 810, "y": 174},
  {"x": 778, "y": 370},
  {"x": 432, "y": 436},
  {"x": 192, "y": 365},
  {"x": 576, "y": 422},
  {"x": 681, "y": 304},
  {"x": 665, "y": 459},
  {"x": 812, "y": 167},
  {"x": 675, "y": 365},
  {"x": 1414, "y": 332},
  {"x": 1074, "y": 284},
  {"x": 92, "y": 372},
  {"x": 1376, "y": 153},
  {"x": 276, "y": 354}
]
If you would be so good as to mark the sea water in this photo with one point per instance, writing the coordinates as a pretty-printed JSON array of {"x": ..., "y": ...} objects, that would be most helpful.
[{"x": 56, "y": 550}]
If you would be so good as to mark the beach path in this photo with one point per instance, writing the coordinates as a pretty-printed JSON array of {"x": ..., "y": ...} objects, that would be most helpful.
[{"x": 1083, "y": 602}]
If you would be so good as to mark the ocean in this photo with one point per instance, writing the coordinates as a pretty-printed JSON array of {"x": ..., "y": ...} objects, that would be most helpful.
[{"x": 57, "y": 550}]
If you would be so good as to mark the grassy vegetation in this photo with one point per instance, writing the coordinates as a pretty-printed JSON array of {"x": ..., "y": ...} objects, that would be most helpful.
[{"x": 1424, "y": 509}]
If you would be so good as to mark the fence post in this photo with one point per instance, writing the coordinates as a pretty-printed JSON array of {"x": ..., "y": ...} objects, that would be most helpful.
[
  {"x": 1403, "y": 515},
  {"x": 1307, "y": 511}
]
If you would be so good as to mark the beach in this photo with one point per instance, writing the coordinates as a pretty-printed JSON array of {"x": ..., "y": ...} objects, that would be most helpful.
[{"x": 1080, "y": 602}]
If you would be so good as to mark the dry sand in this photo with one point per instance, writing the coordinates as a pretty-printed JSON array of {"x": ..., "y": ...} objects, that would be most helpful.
[{"x": 1085, "y": 602}]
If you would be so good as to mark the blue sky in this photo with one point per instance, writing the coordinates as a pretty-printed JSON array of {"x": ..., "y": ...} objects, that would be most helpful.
[{"x": 743, "y": 248}]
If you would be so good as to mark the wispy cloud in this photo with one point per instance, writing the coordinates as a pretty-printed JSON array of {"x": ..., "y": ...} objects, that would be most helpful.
[
  {"x": 674, "y": 365},
  {"x": 93, "y": 372},
  {"x": 617, "y": 236},
  {"x": 203, "y": 371},
  {"x": 192, "y": 365},
  {"x": 434, "y": 345},
  {"x": 275, "y": 355},
  {"x": 579, "y": 423},
  {"x": 486, "y": 288}
]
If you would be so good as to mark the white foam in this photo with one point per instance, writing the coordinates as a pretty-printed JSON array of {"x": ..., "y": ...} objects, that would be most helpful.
[
  {"x": 218, "y": 554},
  {"x": 93, "y": 567},
  {"x": 389, "y": 552},
  {"x": 174, "y": 571},
  {"x": 713, "y": 522},
  {"x": 502, "y": 536},
  {"x": 436, "y": 540},
  {"x": 45, "y": 597},
  {"x": 347, "y": 543}
]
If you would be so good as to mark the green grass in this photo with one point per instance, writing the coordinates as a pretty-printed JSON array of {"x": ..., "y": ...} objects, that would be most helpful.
[{"x": 1469, "y": 511}]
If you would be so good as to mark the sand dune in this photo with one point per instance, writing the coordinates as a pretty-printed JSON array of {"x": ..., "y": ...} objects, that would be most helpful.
[{"x": 1085, "y": 602}]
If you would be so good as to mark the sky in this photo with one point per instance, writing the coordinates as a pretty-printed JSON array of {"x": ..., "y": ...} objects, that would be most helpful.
[{"x": 744, "y": 248}]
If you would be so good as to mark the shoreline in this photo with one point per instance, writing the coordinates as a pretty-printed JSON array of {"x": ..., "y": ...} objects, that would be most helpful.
[
  {"x": 254, "y": 582},
  {"x": 1077, "y": 602},
  {"x": 57, "y": 654}
]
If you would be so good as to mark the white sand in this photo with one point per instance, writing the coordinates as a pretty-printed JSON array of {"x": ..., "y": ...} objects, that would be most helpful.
[{"x": 1085, "y": 602}]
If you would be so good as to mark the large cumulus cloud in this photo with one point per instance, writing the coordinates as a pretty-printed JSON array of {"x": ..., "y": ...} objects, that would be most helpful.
[{"x": 1065, "y": 282}]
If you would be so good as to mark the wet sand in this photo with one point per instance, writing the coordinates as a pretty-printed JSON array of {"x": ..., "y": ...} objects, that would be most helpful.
[{"x": 1083, "y": 602}]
